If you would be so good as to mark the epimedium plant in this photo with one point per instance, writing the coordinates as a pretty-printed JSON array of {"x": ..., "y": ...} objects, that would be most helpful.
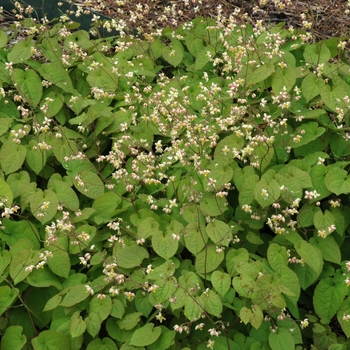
[{"x": 184, "y": 190}]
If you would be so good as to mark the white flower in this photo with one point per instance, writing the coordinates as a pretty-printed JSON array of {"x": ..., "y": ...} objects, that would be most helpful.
[{"x": 305, "y": 323}]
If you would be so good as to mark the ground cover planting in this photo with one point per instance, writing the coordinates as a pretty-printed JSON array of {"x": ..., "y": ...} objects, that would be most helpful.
[{"x": 186, "y": 188}]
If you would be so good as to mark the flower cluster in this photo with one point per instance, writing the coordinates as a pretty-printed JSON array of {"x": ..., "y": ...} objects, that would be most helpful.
[{"x": 43, "y": 260}]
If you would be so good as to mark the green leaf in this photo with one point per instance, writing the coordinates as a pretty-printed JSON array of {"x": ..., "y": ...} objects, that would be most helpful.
[
  {"x": 341, "y": 216},
  {"x": 3, "y": 39},
  {"x": 97, "y": 258},
  {"x": 212, "y": 205},
  {"x": 145, "y": 335},
  {"x": 267, "y": 192},
  {"x": 255, "y": 75},
  {"x": 277, "y": 256},
  {"x": 55, "y": 73},
  {"x": 344, "y": 310},
  {"x": 164, "y": 244},
  {"x": 262, "y": 155},
  {"x": 156, "y": 48},
  {"x": 174, "y": 53},
  {"x": 21, "y": 51},
  {"x": 311, "y": 114},
  {"x": 190, "y": 213},
  {"x": 203, "y": 57},
  {"x": 208, "y": 260},
  {"x": 165, "y": 341},
  {"x": 130, "y": 320},
  {"x": 75, "y": 295},
  {"x": 77, "y": 325},
  {"x": 329, "y": 248},
  {"x": 118, "y": 308},
  {"x": 192, "y": 308},
  {"x": 106, "y": 203},
  {"x": 59, "y": 263},
  {"x": 101, "y": 307},
  {"x": 195, "y": 237},
  {"x": 65, "y": 194},
  {"x": 281, "y": 339},
  {"x": 131, "y": 256},
  {"x": 310, "y": 87},
  {"x": 235, "y": 257},
  {"x": 7, "y": 297},
  {"x": 307, "y": 275},
  {"x": 311, "y": 255},
  {"x": 337, "y": 347},
  {"x": 339, "y": 146},
  {"x": 93, "y": 324},
  {"x": 316, "y": 53},
  {"x": 20, "y": 261},
  {"x": 142, "y": 304},
  {"x": 5, "y": 259},
  {"x": 12, "y": 156},
  {"x": 28, "y": 84},
  {"x": 5, "y": 125},
  {"x": 323, "y": 221},
  {"x": 290, "y": 287},
  {"x": 194, "y": 44},
  {"x": 43, "y": 205},
  {"x": 51, "y": 48},
  {"x": 308, "y": 132},
  {"x": 337, "y": 181},
  {"x": 147, "y": 227},
  {"x": 295, "y": 175},
  {"x": 328, "y": 297},
  {"x": 246, "y": 193},
  {"x": 254, "y": 238},
  {"x": 90, "y": 184},
  {"x": 306, "y": 214},
  {"x": 104, "y": 344},
  {"x": 257, "y": 317},
  {"x": 5, "y": 192},
  {"x": 283, "y": 80},
  {"x": 331, "y": 96},
  {"x": 317, "y": 174},
  {"x": 103, "y": 78},
  {"x": 224, "y": 150},
  {"x": 53, "y": 302},
  {"x": 244, "y": 285},
  {"x": 221, "y": 174},
  {"x": 54, "y": 104},
  {"x": 211, "y": 303},
  {"x": 245, "y": 315},
  {"x": 43, "y": 278},
  {"x": 79, "y": 37},
  {"x": 51, "y": 340},
  {"x": 219, "y": 232},
  {"x": 35, "y": 157},
  {"x": 221, "y": 282},
  {"x": 13, "y": 339}
]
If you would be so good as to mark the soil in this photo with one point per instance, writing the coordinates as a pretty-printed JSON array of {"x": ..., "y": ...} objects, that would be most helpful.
[{"x": 329, "y": 18}]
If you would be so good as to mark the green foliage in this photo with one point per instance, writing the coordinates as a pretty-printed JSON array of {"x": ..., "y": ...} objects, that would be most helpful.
[{"x": 187, "y": 190}]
